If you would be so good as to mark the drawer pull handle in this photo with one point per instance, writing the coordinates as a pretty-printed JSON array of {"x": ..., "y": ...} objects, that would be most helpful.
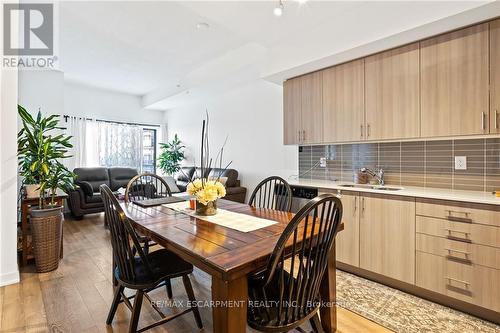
[
  {"x": 464, "y": 218},
  {"x": 460, "y": 239},
  {"x": 465, "y": 260},
  {"x": 465, "y": 253},
  {"x": 465, "y": 283}
]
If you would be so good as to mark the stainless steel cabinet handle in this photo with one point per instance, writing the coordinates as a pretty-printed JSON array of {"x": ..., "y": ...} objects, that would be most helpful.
[
  {"x": 361, "y": 130},
  {"x": 303, "y": 135},
  {"x": 363, "y": 206},
  {"x": 355, "y": 204},
  {"x": 368, "y": 130},
  {"x": 482, "y": 120},
  {"x": 465, "y": 253},
  {"x": 465, "y": 283},
  {"x": 496, "y": 119}
]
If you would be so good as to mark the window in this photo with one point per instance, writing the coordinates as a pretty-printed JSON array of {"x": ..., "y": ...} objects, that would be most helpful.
[{"x": 149, "y": 150}]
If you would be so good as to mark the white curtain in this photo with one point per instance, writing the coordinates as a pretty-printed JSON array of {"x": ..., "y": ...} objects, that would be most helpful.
[
  {"x": 84, "y": 152},
  {"x": 120, "y": 145}
]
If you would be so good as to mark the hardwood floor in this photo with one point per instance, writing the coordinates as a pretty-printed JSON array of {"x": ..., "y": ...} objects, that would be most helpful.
[{"x": 76, "y": 297}]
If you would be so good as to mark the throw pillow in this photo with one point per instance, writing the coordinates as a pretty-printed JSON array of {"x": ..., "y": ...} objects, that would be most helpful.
[{"x": 171, "y": 184}]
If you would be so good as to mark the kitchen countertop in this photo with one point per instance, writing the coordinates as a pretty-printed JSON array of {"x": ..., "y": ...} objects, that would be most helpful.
[{"x": 407, "y": 191}]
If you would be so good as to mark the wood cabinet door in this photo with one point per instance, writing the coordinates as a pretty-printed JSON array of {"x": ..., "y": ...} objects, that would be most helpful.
[
  {"x": 454, "y": 83},
  {"x": 495, "y": 76},
  {"x": 292, "y": 108},
  {"x": 344, "y": 102},
  {"x": 392, "y": 90},
  {"x": 387, "y": 236},
  {"x": 312, "y": 110},
  {"x": 347, "y": 241}
]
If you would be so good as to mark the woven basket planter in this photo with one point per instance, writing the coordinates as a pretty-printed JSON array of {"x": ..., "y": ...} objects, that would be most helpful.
[{"x": 46, "y": 226}]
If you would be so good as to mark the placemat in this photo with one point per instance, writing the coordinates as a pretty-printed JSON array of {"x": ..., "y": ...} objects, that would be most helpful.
[{"x": 225, "y": 218}]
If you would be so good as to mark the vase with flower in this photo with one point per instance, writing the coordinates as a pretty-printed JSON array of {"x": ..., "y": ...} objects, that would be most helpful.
[
  {"x": 206, "y": 192},
  {"x": 207, "y": 189}
]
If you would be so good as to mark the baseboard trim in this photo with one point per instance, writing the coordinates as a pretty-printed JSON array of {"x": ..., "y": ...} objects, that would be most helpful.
[
  {"x": 9, "y": 278},
  {"x": 453, "y": 303}
]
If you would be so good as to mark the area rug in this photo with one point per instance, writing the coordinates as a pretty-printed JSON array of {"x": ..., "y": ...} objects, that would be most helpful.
[{"x": 401, "y": 312}]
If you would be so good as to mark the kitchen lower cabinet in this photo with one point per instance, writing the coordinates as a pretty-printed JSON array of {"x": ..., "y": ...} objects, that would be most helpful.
[
  {"x": 387, "y": 236},
  {"x": 347, "y": 241}
]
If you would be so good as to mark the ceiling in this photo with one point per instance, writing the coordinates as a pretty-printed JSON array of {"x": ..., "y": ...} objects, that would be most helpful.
[{"x": 155, "y": 50}]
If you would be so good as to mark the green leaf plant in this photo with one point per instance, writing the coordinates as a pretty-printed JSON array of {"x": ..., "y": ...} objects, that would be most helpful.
[
  {"x": 172, "y": 153},
  {"x": 40, "y": 151}
]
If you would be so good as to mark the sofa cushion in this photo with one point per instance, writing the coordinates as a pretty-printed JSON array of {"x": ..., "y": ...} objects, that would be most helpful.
[
  {"x": 185, "y": 174},
  {"x": 171, "y": 184},
  {"x": 119, "y": 177},
  {"x": 94, "y": 176},
  {"x": 231, "y": 174},
  {"x": 197, "y": 173},
  {"x": 95, "y": 198}
]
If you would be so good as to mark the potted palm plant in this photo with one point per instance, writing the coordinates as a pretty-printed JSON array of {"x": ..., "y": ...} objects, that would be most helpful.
[
  {"x": 171, "y": 156},
  {"x": 40, "y": 150}
]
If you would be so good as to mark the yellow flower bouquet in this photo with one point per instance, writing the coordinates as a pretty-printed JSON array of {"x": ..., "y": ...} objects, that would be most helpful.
[{"x": 206, "y": 190}]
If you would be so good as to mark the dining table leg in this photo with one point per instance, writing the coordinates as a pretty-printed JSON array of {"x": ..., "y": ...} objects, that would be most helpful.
[
  {"x": 229, "y": 309},
  {"x": 328, "y": 311}
]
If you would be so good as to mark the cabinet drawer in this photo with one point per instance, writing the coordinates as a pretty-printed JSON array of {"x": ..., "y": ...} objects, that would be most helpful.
[
  {"x": 470, "y": 283},
  {"x": 458, "y": 231},
  {"x": 467, "y": 253},
  {"x": 460, "y": 212}
]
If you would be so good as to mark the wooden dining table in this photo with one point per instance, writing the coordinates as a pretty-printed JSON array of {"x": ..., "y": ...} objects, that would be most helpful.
[{"x": 227, "y": 255}]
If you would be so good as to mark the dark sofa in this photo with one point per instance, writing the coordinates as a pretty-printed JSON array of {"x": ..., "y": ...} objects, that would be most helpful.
[
  {"x": 86, "y": 198},
  {"x": 234, "y": 191}
]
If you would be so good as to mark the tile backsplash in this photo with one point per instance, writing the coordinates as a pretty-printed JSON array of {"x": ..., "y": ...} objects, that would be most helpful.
[{"x": 419, "y": 163}]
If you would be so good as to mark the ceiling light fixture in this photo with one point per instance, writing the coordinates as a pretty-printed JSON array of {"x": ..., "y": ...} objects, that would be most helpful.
[
  {"x": 202, "y": 25},
  {"x": 278, "y": 10},
  {"x": 301, "y": 1}
]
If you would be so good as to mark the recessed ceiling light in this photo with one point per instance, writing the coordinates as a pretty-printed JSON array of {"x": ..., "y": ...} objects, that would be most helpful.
[
  {"x": 278, "y": 10},
  {"x": 202, "y": 25}
]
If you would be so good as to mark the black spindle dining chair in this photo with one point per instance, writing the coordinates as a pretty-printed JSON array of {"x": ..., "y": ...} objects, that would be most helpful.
[
  {"x": 140, "y": 271},
  {"x": 289, "y": 286},
  {"x": 274, "y": 193},
  {"x": 146, "y": 186}
]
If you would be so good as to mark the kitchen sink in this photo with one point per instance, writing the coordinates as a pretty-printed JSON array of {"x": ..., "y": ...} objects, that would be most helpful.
[{"x": 373, "y": 187}]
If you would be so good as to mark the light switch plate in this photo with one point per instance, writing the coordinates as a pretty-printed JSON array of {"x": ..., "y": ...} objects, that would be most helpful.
[
  {"x": 322, "y": 162},
  {"x": 460, "y": 162}
]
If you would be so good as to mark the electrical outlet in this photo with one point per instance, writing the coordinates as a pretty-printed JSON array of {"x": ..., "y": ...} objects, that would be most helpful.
[
  {"x": 460, "y": 162},
  {"x": 322, "y": 162}
]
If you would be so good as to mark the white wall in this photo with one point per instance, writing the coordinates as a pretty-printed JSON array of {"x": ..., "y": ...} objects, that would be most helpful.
[
  {"x": 252, "y": 118},
  {"x": 8, "y": 178},
  {"x": 82, "y": 100}
]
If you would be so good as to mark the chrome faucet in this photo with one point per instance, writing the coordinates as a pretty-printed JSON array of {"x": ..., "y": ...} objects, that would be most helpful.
[{"x": 379, "y": 175}]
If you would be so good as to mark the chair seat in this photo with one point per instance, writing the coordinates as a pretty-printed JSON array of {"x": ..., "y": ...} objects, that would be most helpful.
[{"x": 164, "y": 265}]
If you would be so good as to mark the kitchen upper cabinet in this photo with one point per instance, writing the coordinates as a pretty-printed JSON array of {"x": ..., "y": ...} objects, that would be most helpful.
[
  {"x": 302, "y": 108},
  {"x": 292, "y": 108},
  {"x": 392, "y": 88},
  {"x": 347, "y": 240},
  {"x": 495, "y": 76},
  {"x": 312, "y": 113},
  {"x": 343, "y": 102},
  {"x": 454, "y": 83},
  {"x": 387, "y": 236}
]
